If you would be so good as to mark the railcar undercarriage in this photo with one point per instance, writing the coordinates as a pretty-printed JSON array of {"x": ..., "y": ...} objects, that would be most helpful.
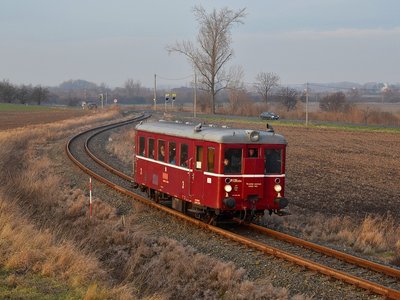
[{"x": 203, "y": 213}]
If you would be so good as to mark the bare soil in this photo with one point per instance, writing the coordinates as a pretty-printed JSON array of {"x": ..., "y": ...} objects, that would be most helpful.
[
  {"x": 14, "y": 119},
  {"x": 342, "y": 172}
]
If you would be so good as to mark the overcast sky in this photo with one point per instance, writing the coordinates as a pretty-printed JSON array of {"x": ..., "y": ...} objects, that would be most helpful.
[{"x": 50, "y": 41}]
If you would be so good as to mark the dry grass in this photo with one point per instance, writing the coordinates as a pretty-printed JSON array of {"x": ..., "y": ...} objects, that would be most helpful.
[
  {"x": 28, "y": 194},
  {"x": 375, "y": 236},
  {"x": 121, "y": 145},
  {"x": 45, "y": 229},
  {"x": 163, "y": 264},
  {"x": 354, "y": 115}
]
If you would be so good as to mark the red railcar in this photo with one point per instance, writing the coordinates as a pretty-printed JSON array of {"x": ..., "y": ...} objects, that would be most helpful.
[{"x": 211, "y": 171}]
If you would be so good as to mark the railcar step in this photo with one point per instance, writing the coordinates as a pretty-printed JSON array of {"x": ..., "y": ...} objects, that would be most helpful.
[{"x": 196, "y": 211}]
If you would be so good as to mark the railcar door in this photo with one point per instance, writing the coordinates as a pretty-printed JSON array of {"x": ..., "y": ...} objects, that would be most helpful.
[{"x": 197, "y": 174}]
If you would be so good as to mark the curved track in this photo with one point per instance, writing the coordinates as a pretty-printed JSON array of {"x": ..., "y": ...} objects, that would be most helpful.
[{"x": 376, "y": 278}]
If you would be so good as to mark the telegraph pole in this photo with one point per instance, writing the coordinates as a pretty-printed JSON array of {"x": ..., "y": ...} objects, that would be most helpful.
[
  {"x": 195, "y": 94},
  {"x": 155, "y": 92},
  {"x": 307, "y": 104}
]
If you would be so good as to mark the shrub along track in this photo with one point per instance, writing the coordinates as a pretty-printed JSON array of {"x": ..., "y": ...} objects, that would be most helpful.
[{"x": 386, "y": 283}]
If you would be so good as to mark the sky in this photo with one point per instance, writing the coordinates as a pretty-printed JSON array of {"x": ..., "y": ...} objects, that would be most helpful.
[{"x": 47, "y": 42}]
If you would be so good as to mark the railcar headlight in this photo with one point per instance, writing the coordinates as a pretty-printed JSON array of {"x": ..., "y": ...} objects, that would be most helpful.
[
  {"x": 277, "y": 188},
  {"x": 254, "y": 136},
  {"x": 228, "y": 188}
]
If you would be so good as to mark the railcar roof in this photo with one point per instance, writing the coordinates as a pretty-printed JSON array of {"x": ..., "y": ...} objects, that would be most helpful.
[{"x": 213, "y": 134}]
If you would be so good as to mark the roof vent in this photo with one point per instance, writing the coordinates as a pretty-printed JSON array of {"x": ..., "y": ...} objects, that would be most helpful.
[
  {"x": 197, "y": 128},
  {"x": 270, "y": 128}
]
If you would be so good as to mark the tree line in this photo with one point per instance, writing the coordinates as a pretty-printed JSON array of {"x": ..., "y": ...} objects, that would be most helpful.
[{"x": 23, "y": 94}]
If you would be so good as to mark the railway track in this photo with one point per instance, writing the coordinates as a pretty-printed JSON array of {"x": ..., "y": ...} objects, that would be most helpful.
[{"x": 85, "y": 150}]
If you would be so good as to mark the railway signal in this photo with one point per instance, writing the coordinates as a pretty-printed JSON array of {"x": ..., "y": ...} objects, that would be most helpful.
[{"x": 166, "y": 101}]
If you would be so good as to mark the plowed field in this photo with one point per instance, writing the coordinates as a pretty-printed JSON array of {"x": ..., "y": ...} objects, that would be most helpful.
[
  {"x": 339, "y": 172},
  {"x": 14, "y": 119}
]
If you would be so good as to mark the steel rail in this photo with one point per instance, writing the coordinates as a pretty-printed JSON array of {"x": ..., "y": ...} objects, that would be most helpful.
[
  {"x": 353, "y": 280},
  {"x": 327, "y": 251},
  {"x": 104, "y": 164}
]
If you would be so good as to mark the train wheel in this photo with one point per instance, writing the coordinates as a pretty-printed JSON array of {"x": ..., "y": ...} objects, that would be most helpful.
[
  {"x": 211, "y": 219},
  {"x": 157, "y": 196},
  {"x": 150, "y": 193},
  {"x": 246, "y": 217}
]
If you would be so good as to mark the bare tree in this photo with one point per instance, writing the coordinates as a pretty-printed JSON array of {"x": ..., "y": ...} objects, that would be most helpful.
[
  {"x": 39, "y": 94},
  {"x": 8, "y": 91},
  {"x": 236, "y": 89},
  {"x": 265, "y": 82},
  {"x": 335, "y": 102},
  {"x": 289, "y": 98},
  {"x": 214, "y": 48}
]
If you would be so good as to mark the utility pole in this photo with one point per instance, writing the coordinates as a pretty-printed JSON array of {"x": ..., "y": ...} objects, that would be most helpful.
[
  {"x": 101, "y": 96},
  {"x": 307, "y": 104},
  {"x": 195, "y": 94},
  {"x": 155, "y": 92}
]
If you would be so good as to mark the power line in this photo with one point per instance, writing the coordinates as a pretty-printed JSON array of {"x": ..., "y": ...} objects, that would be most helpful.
[
  {"x": 334, "y": 87},
  {"x": 175, "y": 79}
]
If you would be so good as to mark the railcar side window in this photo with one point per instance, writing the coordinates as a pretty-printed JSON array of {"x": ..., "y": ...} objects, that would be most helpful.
[
  {"x": 161, "y": 150},
  {"x": 273, "y": 161},
  {"x": 141, "y": 145},
  {"x": 199, "y": 157},
  {"x": 172, "y": 153},
  {"x": 210, "y": 159},
  {"x": 232, "y": 160},
  {"x": 151, "y": 148},
  {"x": 184, "y": 155}
]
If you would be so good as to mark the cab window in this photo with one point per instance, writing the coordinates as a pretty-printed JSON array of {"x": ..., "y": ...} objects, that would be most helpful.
[
  {"x": 273, "y": 161},
  {"x": 252, "y": 152}
]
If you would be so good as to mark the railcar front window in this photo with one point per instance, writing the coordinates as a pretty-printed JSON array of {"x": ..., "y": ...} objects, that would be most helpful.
[
  {"x": 232, "y": 160},
  {"x": 252, "y": 152},
  {"x": 273, "y": 161},
  {"x": 141, "y": 145},
  {"x": 151, "y": 148}
]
